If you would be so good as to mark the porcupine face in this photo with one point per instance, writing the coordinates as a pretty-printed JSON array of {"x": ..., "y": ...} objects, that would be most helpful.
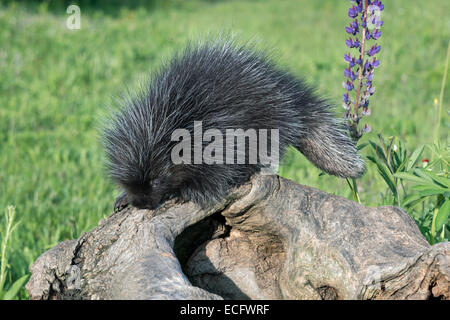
[
  {"x": 146, "y": 196},
  {"x": 151, "y": 193}
]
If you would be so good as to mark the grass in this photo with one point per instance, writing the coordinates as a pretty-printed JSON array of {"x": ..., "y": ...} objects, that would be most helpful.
[{"x": 55, "y": 83}]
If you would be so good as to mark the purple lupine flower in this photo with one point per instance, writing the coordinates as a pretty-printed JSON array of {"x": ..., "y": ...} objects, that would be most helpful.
[
  {"x": 353, "y": 12},
  {"x": 348, "y": 85},
  {"x": 366, "y": 111},
  {"x": 375, "y": 63},
  {"x": 366, "y": 66},
  {"x": 373, "y": 50},
  {"x": 352, "y": 43},
  {"x": 361, "y": 31},
  {"x": 349, "y": 43},
  {"x": 345, "y": 97},
  {"x": 348, "y": 58},
  {"x": 348, "y": 73},
  {"x": 351, "y": 61},
  {"x": 374, "y": 18},
  {"x": 353, "y": 28},
  {"x": 378, "y": 4},
  {"x": 359, "y": 7},
  {"x": 376, "y": 34},
  {"x": 365, "y": 103}
]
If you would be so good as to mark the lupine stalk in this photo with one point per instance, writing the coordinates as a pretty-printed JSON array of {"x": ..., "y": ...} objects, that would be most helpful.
[
  {"x": 365, "y": 67},
  {"x": 368, "y": 10},
  {"x": 360, "y": 73}
]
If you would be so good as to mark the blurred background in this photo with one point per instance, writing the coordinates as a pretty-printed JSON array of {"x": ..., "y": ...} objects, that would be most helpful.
[{"x": 55, "y": 83}]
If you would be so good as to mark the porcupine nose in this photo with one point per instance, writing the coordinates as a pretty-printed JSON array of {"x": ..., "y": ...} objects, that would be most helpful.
[{"x": 147, "y": 202}]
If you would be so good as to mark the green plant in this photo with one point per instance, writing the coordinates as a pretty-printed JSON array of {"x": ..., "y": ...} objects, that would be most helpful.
[
  {"x": 431, "y": 186},
  {"x": 391, "y": 158},
  {"x": 6, "y": 232},
  {"x": 431, "y": 183}
]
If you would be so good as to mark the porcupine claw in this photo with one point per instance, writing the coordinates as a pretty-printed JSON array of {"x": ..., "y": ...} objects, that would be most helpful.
[{"x": 121, "y": 202}]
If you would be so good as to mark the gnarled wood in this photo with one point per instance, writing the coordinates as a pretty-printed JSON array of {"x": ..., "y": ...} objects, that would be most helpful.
[{"x": 270, "y": 239}]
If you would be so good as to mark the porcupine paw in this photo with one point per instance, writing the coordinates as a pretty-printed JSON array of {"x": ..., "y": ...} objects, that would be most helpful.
[{"x": 121, "y": 202}]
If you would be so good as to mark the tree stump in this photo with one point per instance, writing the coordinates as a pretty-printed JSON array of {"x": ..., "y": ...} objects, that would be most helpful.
[{"x": 269, "y": 239}]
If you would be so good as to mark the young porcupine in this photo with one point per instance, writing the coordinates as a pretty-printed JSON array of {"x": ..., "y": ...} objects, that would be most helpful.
[{"x": 224, "y": 86}]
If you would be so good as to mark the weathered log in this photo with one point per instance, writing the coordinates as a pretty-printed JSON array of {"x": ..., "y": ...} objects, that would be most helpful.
[{"x": 270, "y": 239}]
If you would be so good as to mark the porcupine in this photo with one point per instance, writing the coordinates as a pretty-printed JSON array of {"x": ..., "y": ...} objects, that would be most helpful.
[{"x": 224, "y": 85}]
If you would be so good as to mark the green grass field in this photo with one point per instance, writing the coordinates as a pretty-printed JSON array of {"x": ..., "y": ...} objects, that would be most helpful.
[{"x": 55, "y": 83}]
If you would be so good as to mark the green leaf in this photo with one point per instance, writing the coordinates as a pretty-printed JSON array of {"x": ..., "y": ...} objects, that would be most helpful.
[
  {"x": 442, "y": 216},
  {"x": 362, "y": 146},
  {"x": 442, "y": 181},
  {"x": 385, "y": 174},
  {"x": 379, "y": 151},
  {"x": 414, "y": 157},
  {"x": 400, "y": 167},
  {"x": 423, "y": 174},
  {"x": 14, "y": 289},
  {"x": 426, "y": 190},
  {"x": 413, "y": 200},
  {"x": 414, "y": 178},
  {"x": 389, "y": 151}
]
